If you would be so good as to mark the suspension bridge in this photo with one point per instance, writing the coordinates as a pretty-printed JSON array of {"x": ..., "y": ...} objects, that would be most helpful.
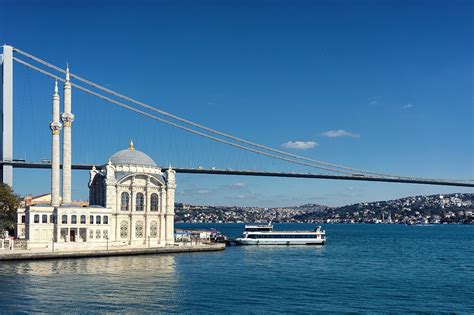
[{"x": 317, "y": 169}]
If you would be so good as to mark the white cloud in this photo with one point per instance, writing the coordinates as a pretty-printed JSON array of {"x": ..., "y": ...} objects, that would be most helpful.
[
  {"x": 299, "y": 145},
  {"x": 203, "y": 191},
  {"x": 340, "y": 133},
  {"x": 407, "y": 106}
]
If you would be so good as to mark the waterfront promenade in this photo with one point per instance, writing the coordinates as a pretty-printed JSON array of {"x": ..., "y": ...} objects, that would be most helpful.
[{"x": 6, "y": 254}]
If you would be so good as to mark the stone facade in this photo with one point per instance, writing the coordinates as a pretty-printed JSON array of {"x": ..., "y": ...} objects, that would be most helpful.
[
  {"x": 130, "y": 205},
  {"x": 139, "y": 196}
]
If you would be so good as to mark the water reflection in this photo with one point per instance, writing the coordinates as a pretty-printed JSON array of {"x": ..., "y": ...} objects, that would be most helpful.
[{"x": 107, "y": 284}]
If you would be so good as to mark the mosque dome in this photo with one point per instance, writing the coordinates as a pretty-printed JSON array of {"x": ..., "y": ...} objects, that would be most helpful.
[{"x": 131, "y": 156}]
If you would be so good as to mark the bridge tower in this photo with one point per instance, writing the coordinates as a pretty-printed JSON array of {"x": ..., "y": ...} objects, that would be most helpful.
[{"x": 6, "y": 119}]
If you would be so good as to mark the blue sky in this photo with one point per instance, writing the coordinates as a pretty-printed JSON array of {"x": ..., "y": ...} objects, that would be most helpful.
[{"x": 378, "y": 85}]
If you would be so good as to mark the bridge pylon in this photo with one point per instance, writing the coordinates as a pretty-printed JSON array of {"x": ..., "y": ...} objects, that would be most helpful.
[{"x": 6, "y": 119}]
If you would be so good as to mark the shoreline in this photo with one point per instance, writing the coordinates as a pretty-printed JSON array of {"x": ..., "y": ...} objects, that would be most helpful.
[{"x": 25, "y": 255}]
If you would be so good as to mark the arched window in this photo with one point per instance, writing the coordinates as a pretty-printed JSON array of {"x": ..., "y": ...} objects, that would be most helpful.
[
  {"x": 52, "y": 218},
  {"x": 140, "y": 202},
  {"x": 153, "y": 229},
  {"x": 125, "y": 200},
  {"x": 139, "y": 229},
  {"x": 44, "y": 218},
  {"x": 91, "y": 219},
  {"x": 97, "y": 220},
  {"x": 154, "y": 202},
  {"x": 106, "y": 219},
  {"x": 83, "y": 219},
  {"x": 73, "y": 219},
  {"x": 37, "y": 218},
  {"x": 124, "y": 229},
  {"x": 64, "y": 219}
]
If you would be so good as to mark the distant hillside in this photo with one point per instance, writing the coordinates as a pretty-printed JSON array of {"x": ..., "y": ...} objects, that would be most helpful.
[{"x": 451, "y": 208}]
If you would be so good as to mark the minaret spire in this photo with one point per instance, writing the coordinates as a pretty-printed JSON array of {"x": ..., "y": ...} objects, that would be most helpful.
[
  {"x": 131, "y": 147},
  {"x": 67, "y": 118},
  {"x": 55, "y": 126}
]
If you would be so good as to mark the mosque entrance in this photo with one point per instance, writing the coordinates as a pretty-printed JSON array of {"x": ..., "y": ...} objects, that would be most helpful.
[{"x": 72, "y": 235}]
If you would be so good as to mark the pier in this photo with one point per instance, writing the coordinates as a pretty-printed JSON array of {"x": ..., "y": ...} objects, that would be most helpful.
[{"x": 7, "y": 255}]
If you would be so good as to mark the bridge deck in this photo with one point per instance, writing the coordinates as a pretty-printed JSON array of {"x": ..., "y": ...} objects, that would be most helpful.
[{"x": 19, "y": 164}]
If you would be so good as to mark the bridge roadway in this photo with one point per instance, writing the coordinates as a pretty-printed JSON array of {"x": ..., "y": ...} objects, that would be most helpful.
[{"x": 22, "y": 164}]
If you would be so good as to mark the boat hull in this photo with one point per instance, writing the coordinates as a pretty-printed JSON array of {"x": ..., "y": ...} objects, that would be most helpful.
[{"x": 248, "y": 241}]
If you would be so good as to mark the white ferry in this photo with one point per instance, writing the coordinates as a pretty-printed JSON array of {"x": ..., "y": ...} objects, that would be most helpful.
[{"x": 264, "y": 235}]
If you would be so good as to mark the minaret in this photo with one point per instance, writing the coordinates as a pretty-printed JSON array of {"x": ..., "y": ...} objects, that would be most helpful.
[
  {"x": 169, "y": 214},
  {"x": 55, "y": 126},
  {"x": 67, "y": 118}
]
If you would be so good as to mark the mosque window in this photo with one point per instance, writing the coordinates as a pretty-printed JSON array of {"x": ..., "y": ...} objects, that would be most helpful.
[
  {"x": 139, "y": 229},
  {"x": 52, "y": 218},
  {"x": 64, "y": 234},
  {"x": 153, "y": 229},
  {"x": 140, "y": 202},
  {"x": 154, "y": 202},
  {"x": 91, "y": 219},
  {"x": 125, "y": 200},
  {"x": 106, "y": 234},
  {"x": 97, "y": 219},
  {"x": 23, "y": 219},
  {"x": 44, "y": 218},
  {"x": 124, "y": 229},
  {"x": 74, "y": 219},
  {"x": 37, "y": 218},
  {"x": 91, "y": 233},
  {"x": 83, "y": 219},
  {"x": 64, "y": 219},
  {"x": 106, "y": 219},
  {"x": 97, "y": 234}
]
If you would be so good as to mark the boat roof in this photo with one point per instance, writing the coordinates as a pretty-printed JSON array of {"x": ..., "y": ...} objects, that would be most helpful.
[{"x": 259, "y": 226}]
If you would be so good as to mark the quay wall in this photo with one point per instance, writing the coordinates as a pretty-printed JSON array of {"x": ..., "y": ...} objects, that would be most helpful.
[{"x": 24, "y": 255}]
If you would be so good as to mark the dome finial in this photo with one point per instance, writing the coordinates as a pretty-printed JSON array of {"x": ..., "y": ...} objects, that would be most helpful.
[{"x": 131, "y": 147}]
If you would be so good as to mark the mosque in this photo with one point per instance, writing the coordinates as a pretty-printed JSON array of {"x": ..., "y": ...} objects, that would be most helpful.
[{"x": 131, "y": 199}]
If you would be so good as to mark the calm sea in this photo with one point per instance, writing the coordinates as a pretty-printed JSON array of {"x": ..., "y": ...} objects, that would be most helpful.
[{"x": 362, "y": 269}]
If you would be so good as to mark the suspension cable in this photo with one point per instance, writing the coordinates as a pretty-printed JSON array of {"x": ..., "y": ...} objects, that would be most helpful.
[
  {"x": 201, "y": 133},
  {"x": 172, "y": 123},
  {"x": 196, "y": 125}
]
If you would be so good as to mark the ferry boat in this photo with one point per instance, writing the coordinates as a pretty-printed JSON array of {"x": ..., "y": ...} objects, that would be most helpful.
[{"x": 265, "y": 235}]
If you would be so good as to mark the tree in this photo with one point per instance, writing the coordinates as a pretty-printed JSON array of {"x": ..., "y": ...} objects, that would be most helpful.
[{"x": 9, "y": 203}]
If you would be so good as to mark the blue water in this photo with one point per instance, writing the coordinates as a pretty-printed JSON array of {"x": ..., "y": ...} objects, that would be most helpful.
[{"x": 363, "y": 269}]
